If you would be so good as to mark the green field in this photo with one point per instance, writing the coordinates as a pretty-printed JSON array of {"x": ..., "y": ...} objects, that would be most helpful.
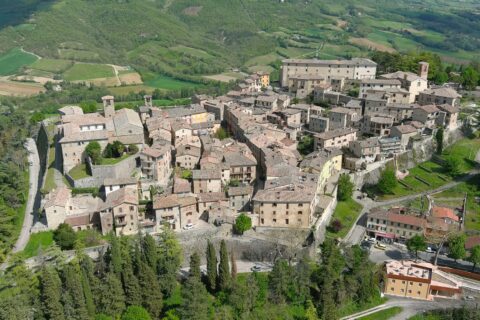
[
  {"x": 38, "y": 241},
  {"x": 347, "y": 212},
  {"x": 87, "y": 71},
  {"x": 50, "y": 177},
  {"x": 12, "y": 61},
  {"x": 79, "y": 172},
  {"x": 168, "y": 83},
  {"x": 52, "y": 65},
  {"x": 124, "y": 90},
  {"x": 383, "y": 314},
  {"x": 110, "y": 161}
]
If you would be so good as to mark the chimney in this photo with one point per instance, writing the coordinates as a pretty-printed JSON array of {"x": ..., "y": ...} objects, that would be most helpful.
[
  {"x": 108, "y": 106},
  {"x": 148, "y": 100},
  {"x": 423, "y": 69}
]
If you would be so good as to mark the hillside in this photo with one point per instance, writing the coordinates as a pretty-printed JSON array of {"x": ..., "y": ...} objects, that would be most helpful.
[{"x": 189, "y": 39}]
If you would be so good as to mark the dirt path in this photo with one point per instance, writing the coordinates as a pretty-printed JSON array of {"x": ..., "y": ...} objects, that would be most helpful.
[{"x": 116, "y": 73}]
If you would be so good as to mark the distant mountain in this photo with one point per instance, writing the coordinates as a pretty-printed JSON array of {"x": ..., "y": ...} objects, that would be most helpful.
[{"x": 192, "y": 38}]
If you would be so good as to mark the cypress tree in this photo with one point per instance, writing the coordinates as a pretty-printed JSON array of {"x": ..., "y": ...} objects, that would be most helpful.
[
  {"x": 87, "y": 293},
  {"x": 51, "y": 291},
  {"x": 115, "y": 255},
  {"x": 169, "y": 261},
  {"x": 133, "y": 295},
  {"x": 233, "y": 265},
  {"x": 111, "y": 297},
  {"x": 150, "y": 251},
  {"x": 87, "y": 267},
  {"x": 152, "y": 299},
  {"x": 73, "y": 297},
  {"x": 211, "y": 267},
  {"x": 223, "y": 268},
  {"x": 195, "y": 266}
]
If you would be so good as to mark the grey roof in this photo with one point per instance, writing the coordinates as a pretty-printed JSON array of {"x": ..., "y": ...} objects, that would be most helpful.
[
  {"x": 335, "y": 133},
  {"x": 206, "y": 174},
  {"x": 119, "y": 181},
  {"x": 238, "y": 191},
  {"x": 381, "y": 81},
  {"x": 184, "y": 111},
  {"x": 237, "y": 159},
  {"x": 354, "y": 61},
  {"x": 442, "y": 92}
]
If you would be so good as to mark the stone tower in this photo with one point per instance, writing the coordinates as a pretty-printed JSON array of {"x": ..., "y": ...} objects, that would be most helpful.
[
  {"x": 108, "y": 106},
  {"x": 423, "y": 69},
  {"x": 148, "y": 100}
]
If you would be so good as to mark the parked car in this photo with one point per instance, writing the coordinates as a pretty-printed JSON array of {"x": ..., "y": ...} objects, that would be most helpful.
[
  {"x": 256, "y": 268},
  {"x": 469, "y": 298},
  {"x": 188, "y": 226},
  {"x": 380, "y": 246},
  {"x": 429, "y": 250},
  {"x": 372, "y": 240}
]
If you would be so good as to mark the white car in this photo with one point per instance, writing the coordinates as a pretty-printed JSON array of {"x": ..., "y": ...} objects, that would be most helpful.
[
  {"x": 372, "y": 240},
  {"x": 188, "y": 226},
  {"x": 429, "y": 250}
]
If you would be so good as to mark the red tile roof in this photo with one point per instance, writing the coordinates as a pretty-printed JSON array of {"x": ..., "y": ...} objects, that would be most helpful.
[{"x": 443, "y": 212}]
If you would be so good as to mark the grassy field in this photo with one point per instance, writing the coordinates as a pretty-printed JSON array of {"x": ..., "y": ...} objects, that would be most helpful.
[
  {"x": 383, "y": 314},
  {"x": 464, "y": 148},
  {"x": 51, "y": 65},
  {"x": 86, "y": 71},
  {"x": 14, "y": 60},
  {"x": 426, "y": 317},
  {"x": 165, "y": 82},
  {"x": 124, "y": 90},
  {"x": 38, "y": 241},
  {"x": 353, "y": 308},
  {"x": 347, "y": 212},
  {"x": 79, "y": 172},
  {"x": 110, "y": 161}
]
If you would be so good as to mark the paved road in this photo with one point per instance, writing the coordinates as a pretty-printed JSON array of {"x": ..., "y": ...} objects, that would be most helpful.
[
  {"x": 242, "y": 267},
  {"x": 33, "y": 196},
  {"x": 410, "y": 307}
]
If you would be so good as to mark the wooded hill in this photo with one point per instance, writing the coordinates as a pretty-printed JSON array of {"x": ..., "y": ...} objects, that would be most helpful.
[{"x": 191, "y": 38}]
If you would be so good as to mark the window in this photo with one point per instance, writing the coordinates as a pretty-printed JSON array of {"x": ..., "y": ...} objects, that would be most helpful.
[
  {"x": 132, "y": 208},
  {"x": 300, "y": 212},
  {"x": 409, "y": 291},
  {"x": 393, "y": 280},
  {"x": 300, "y": 204},
  {"x": 286, "y": 221},
  {"x": 274, "y": 220},
  {"x": 418, "y": 292},
  {"x": 274, "y": 204},
  {"x": 262, "y": 221}
]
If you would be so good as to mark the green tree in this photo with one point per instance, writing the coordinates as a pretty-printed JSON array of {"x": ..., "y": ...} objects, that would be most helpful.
[
  {"x": 211, "y": 255},
  {"x": 64, "y": 236},
  {"x": 279, "y": 281},
  {"x": 415, "y": 244},
  {"x": 243, "y": 296},
  {"x": 224, "y": 277},
  {"x": 195, "y": 301},
  {"x": 132, "y": 149},
  {"x": 169, "y": 261},
  {"x": 89, "y": 106},
  {"x": 470, "y": 78},
  {"x": 87, "y": 292},
  {"x": 73, "y": 297},
  {"x": 221, "y": 133},
  {"x": 453, "y": 165},
  {"x": 310, "y": 311},
  {"x": 345, "y": 187},
  {"x": 51, "y": 292},
  {"x": 94, "y": 151},
  {"x": 439, "y": 139},
  {"x": 111, "y": 297},
  {"x": 233, "y": 265},
  {"x": 114, "y": 150},
  {"x": 243, "y": 223},
  {"x": 388, "y": 181},
  {"x": 151, "y": 293},
  {"x": 115, "y": 255},
  {"x": 456, "y": 246},
  {"x": 474, "y": 256},
  {"x": 94, "y": 284},
  {"x": 136, "y": 313},
  {"x": 306, "y": 144},
  {"x": 195, "y": 266},
  {"x": 150, "y": 251},
  {"x": 131, "y": 285}
]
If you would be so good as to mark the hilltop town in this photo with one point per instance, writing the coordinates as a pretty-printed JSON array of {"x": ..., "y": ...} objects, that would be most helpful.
[{"x": 271, "y": 168}]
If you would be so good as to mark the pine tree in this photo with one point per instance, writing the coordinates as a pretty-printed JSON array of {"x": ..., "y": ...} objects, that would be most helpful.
[
  {"x": 51, "y": 292},
  {"x": 111, "y": 297},
  {"x": 329, "y": 309},
  {"x": 233, "y": 265},
  {"x": 211, "y": 267},
  {"x": 279, "y": 281},
  {"x": 223, "y": 268},
  {"x": 133, "y": 294},
  {"x": 150, "y": 251},
  {"x": 152, "y": 298},
  {"x": 310, "y": 311},
  {"x": 195, "y": 266},
  {"x": 87, "y": 267},
  {"x": 73, "y": 297},
  {"x": 87, "y": 293}
]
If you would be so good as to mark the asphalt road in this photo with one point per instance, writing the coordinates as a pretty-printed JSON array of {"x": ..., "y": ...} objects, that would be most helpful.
[
  {"x": 242, "y": 267},
  {"x": 32, "y": 200}
]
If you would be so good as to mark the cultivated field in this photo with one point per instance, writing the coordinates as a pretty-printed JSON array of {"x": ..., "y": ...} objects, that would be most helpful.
[
  {"x": 52, "y": 65},
  {"x": 12, "y": 61},
  {"x": 88, "y": 71},
  {"x": 19, "y": 89},
  {"x": 369, "y": 44}
]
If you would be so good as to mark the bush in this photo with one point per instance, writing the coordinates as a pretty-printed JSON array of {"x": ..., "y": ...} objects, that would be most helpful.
[
  {"x": 132, "y": 149},
  {"x": 114, "y": 150},
  {"x": 186, "y": 174},
  {"x": 345, "y": 187},
  {"x": 64, "y": 236},
  {"x": 388, "y": 181},
  {"x": 94, "y": 151},
  {"x": 335, "y": 226},
  {"x": 136, "y": 313},
  {"x": 243, "y": 223}
]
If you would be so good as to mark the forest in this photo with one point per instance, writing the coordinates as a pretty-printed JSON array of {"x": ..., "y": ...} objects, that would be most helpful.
[{"x": 139, "y": 278}]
